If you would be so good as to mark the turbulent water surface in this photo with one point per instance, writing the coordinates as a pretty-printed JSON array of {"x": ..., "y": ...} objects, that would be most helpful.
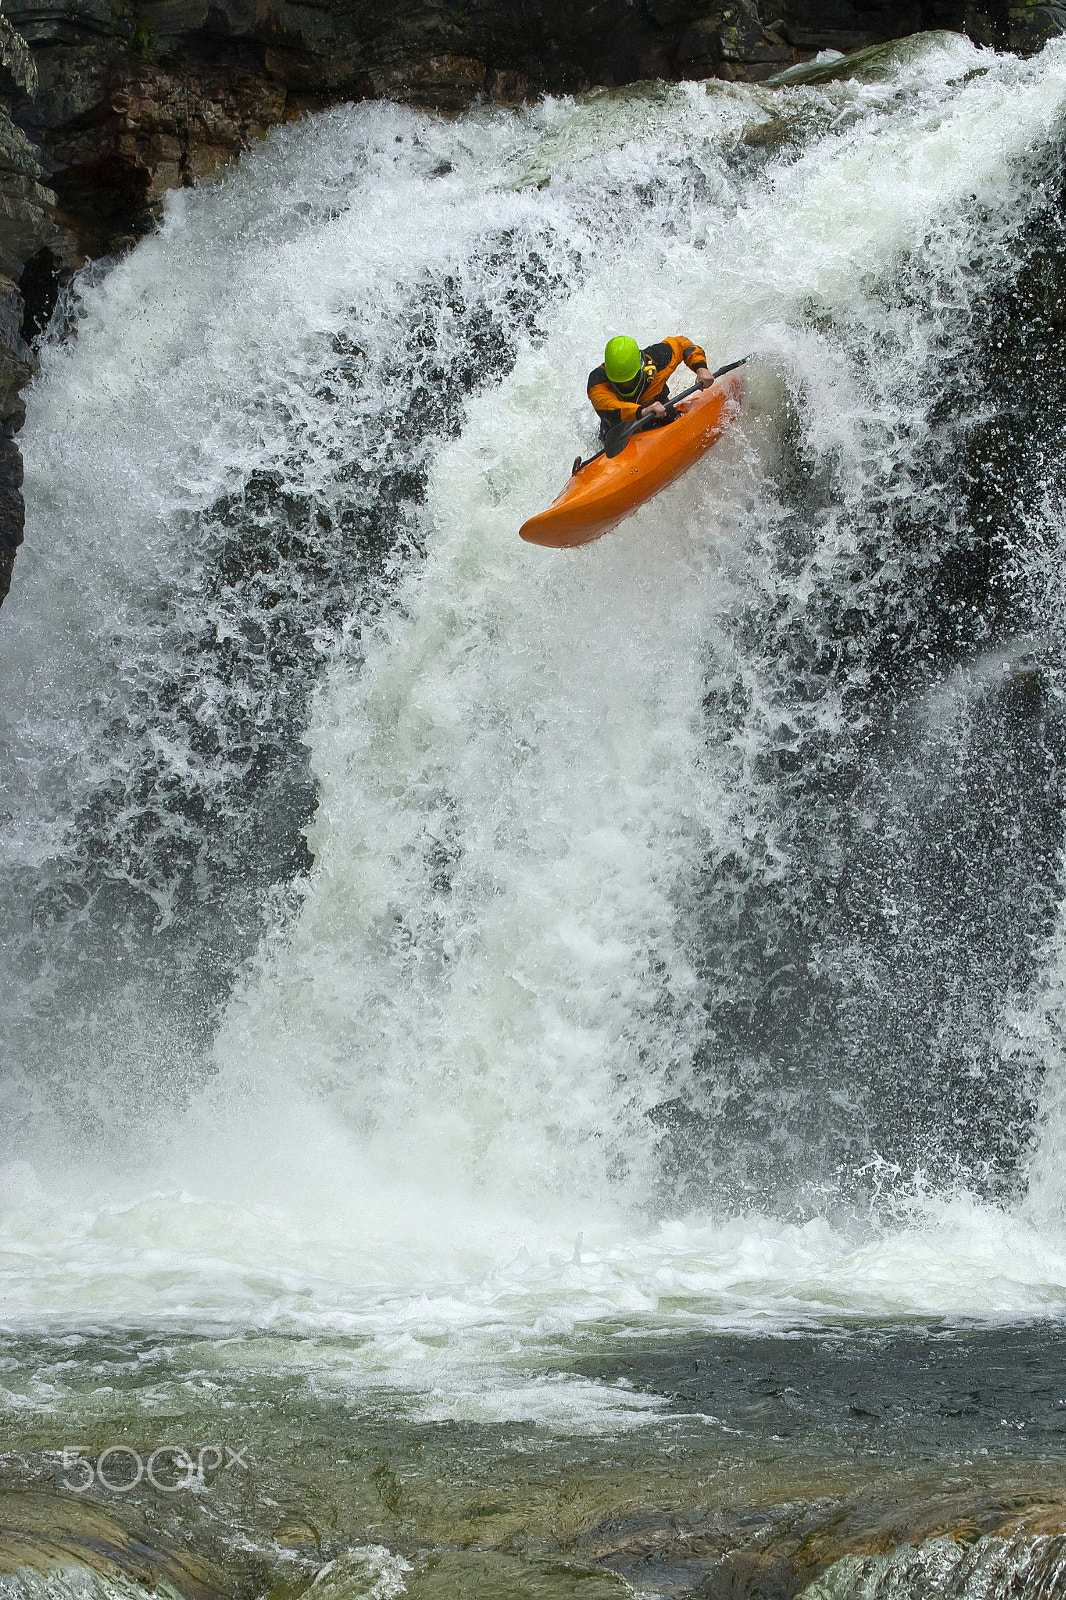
[{"x": 430, "y": 960}]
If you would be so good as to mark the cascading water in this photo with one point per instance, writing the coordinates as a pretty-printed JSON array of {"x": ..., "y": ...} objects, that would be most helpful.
[{"x": 691, "y": 892}]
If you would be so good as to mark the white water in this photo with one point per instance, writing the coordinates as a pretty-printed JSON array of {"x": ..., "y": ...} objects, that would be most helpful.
[{"x": 428, "y": 1113}]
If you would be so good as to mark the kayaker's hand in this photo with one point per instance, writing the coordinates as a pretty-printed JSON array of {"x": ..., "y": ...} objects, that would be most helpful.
[
  {"x": 656, "y": 409},
  {"x": 704, "y": 377}
]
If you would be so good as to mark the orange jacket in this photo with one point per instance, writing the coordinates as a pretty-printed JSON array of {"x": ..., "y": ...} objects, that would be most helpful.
[{"x": 659, "y": 362}]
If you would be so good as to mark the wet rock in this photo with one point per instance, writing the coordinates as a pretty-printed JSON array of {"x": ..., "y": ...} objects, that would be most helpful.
[
  {"x": 120, "y": 131},
  {"x": 16, "y": 366},
  {"x": 136, "y": 100},
  {"x": 851, "y": 24},
  {"x": 953, "y": 1567},
  {"x": 27, "y": 225},
  {"x": 951, "y": 1548},
  {"x": 18, "y": 74},
  {"x": 874, "y": 64},
  {"x": 732, "y": 43},
  {"x": 445, "y": 81},
  {"x": 73, "y": 1543}
]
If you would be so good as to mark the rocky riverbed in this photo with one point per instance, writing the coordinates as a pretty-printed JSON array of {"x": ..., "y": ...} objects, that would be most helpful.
[{"x": 927, "y": 1458}]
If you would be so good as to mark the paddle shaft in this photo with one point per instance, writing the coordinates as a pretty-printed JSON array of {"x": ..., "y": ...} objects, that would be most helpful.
[{"x": 619, "y": 436}]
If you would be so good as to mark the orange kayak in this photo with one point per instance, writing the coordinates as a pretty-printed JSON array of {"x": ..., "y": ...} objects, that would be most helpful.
[{"x": 604, "y": 493}]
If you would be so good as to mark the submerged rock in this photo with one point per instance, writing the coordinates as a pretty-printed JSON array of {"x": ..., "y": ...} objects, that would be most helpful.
[
  {"x": 955, "y": 1567},
  {"x": 872, "y": 65}
]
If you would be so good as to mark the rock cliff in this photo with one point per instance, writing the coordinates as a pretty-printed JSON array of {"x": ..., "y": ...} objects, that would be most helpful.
[
  {"x": 106, "y": 104},
  {"x": 25, "y": 224}
]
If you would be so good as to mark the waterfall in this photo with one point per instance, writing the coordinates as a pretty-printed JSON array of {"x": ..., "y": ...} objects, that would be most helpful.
[{"x": 391, "y": 902}]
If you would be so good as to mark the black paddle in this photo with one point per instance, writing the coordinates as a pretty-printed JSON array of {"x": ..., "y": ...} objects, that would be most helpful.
[{"x": 616, "y": 440}]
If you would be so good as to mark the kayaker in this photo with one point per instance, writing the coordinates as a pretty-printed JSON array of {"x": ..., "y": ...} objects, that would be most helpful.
[{"x": 632, "y": 382}]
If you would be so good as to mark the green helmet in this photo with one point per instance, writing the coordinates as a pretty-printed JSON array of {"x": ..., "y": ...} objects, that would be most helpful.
[{"x": 622, "y": 359}]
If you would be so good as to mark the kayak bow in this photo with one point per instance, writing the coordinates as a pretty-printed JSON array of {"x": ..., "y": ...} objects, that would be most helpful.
[{"x": 604, "y": 492}]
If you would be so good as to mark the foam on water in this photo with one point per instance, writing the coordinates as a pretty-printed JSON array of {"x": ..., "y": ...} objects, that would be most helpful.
[{"x": 431, "y": 1106}]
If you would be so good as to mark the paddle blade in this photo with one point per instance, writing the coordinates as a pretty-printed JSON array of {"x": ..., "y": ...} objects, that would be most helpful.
[{"x": 732, "y": 366}]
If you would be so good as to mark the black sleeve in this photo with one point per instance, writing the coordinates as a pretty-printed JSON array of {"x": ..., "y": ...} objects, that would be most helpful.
[{"x": 608, "y": 416}]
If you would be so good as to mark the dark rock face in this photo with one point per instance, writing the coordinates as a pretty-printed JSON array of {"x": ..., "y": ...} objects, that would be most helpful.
[
  {"x": 121, "y": 130},
  {"x": 135, "y": 99},
  {"x": 132, "y": 103},
  {"x": 26, "y": 225},
  {"x": 855, "y": 24}
]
